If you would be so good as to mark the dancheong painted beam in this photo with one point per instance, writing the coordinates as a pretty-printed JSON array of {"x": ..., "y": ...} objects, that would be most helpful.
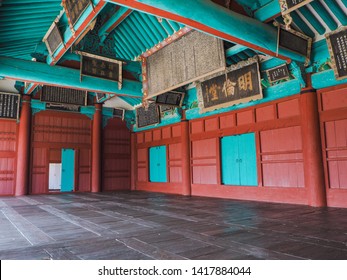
[
  {"x": 41, "y": 73},
  {"x": 213, "y": 19}
]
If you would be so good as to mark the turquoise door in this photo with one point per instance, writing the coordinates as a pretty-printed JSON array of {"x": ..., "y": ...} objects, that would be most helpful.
[
  {"x": 248, "y": 160},
  {"x": 157, "y": 164},
  {"x": 238, "y": 160},
  {"x": 67, "y": 170},
  {"x": 230, "y": 160}
]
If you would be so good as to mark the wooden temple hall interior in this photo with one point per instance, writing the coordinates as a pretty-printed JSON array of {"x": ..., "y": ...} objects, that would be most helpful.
[{"x": 145, "y": 129}]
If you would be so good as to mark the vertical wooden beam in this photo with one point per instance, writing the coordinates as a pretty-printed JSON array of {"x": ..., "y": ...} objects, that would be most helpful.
[
  {"x": 133, "y": 172},
  {"x": 23, "y": 148},
  {"x": 186, "y": 181},
  {"x": 312, "y": 150},
  {"x": 96, "y": 149}
]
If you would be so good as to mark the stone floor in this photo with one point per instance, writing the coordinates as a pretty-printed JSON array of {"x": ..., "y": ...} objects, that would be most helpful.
[{"x": 156, "y": 226}]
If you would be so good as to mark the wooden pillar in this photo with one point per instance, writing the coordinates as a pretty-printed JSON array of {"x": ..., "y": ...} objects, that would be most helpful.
[
  {"x": 96, "y": 149},
  {"x": 186, "y": 182},
  {"x": 23, "y": 148},
  {"x": 133, "y": 172},
  {"x": 312, "y": 150}
]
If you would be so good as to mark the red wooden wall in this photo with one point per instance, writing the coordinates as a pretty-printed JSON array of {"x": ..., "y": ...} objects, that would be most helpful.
[
  {"x": 277, "y": 127},
  {"x": 51, "y": 132},
  {"x": 333, "y": 120},
  {"x": 8, "y": 154},
  {"x": 116, "y": 156},
  {"x": 171, "y": 137}
]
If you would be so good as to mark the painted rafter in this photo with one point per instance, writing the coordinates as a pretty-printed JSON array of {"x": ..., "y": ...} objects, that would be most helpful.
[
  {"x": 208, "y": 17},
  {"x": 120, "y": 15}
]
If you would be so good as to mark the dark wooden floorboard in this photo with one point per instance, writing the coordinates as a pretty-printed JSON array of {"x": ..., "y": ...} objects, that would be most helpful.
[{"x": 145, "y": 226}]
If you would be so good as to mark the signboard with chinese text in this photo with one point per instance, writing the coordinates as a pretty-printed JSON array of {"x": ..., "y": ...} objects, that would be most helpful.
[
  {"x": 74, "y": 9},
  {"x": 147, "y": 117},
  {"x": 240, "y": 83},
  {"x": 171, "y": 98},
  {"x": 295, "y": 41},
  {"x": 288, "y": 6},
  {"x": 101, "y": 67},
  {"x": 53, "y": 38},
  {"x": 9, "y": 105},
  {"x": 277, "y": 73},
  {"x": 192, "y": 57},
  {"x": 63, "y": 107},
  {"x": 337, "y": 45},
  {"x": 59, "y": 95}
]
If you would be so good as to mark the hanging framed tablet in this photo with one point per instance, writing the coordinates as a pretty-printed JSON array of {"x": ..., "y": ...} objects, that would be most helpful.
[
  {"x": 9, "y": 105},
  {"x": 101, "y": 67},
  {"x": 337, "y": 46},
  {"x": 74, "y": 9},
  {"x": 53, "y": 39},
  {"x": 147, "y": 117},
  {"x": 240, "y": 83}
]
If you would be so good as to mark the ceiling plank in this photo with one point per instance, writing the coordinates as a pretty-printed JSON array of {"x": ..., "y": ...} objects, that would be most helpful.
[{"x": 213, "y": 19}]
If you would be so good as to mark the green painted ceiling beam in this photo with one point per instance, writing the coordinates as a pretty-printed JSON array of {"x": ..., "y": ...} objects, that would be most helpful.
[
  {"x": 113, "y": 22},
  {"x": 268, "y": 11},
  {"x": 234, "y": 50},
  {"x": 325, "y": 79},
  {"x": 41, "y": 73},
  {"x": 208, "y": 17}
]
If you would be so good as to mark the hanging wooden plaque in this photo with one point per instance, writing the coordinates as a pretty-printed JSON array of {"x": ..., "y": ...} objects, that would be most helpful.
[
  {"x": 101, "y": 67},
  {"x": 53, "y": 39},
  {"x": 337, "y": 45},
  {"x": 9, "y": 105},
  {"x": 147, "y": 117},
  {"x": 74, "y": 9},
  {"x": 240, "y": 83},
  {"x": 59, "y": 95},
  {"x": 171, "y": 98},
  {"x": 295, "y": 41},
  {"x": 192, "y": 57},
  {"x": 277, "y": 73}
]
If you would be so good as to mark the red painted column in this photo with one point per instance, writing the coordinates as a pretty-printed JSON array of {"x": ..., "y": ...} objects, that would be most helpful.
[
  {"x": 312, "y": 150},
  {"x": 133, "y": 162},
  {"x": 23, "y": 148},
  {"x": 186, "y": 181},
  {"x": 96, "y": 149}
]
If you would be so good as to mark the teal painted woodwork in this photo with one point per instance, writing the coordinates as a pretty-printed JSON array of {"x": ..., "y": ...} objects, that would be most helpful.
[
  {"x": 67, "y": 170},
  {"x": 62, "y": 76},
  {"x": 248, "y": 160},
  {"x": 275, "y": 92},
  {"x": 238, "y": 160},
  {"x": 229, "y": 160},
  {"x": 326, "y": 79},
  {"x": 103, "y": 31},
  {"x": 157, "y": 164},
  {"x": 206, "y": 13}
]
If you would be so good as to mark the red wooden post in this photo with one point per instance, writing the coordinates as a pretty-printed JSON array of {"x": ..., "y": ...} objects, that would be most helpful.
[
  {"x": 23, "y": 148},
  {"x": 133, "y": 172},
  {"x": 186, "y": 182},
  {"x": 96, "y": 149},
  {"x": 312, "y": 150}
]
